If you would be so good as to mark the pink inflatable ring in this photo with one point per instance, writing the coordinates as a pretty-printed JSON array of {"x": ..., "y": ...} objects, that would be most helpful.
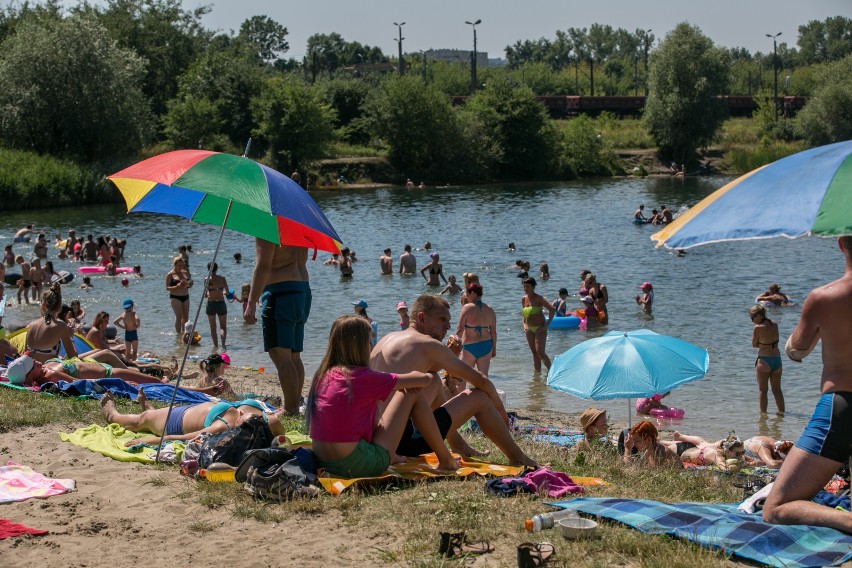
[{"x": 671, "y": 412}]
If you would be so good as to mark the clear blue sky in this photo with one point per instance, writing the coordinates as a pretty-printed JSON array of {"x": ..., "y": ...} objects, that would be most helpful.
[{"x": 440, "y": 24}]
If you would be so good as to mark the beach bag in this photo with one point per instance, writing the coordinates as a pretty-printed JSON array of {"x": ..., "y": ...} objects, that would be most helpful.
[
  {"x": 229, "y": 446},
  {"x": 278, "y": 475}
]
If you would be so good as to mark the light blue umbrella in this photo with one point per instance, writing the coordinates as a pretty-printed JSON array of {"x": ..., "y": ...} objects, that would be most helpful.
[{"x": 629, "y": 364}]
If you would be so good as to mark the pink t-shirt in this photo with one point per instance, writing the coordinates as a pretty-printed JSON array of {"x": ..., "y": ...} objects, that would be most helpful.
[{"x": 347, "y": 412}]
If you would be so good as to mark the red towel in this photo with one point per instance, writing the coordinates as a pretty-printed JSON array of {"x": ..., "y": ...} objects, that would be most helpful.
[{"x": 9, "y": 529}]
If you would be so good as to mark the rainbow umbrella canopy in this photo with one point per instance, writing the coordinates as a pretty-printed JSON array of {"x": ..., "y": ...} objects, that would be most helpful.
[
  {"x": 808, "y": 193},
  {"x": 201, "y": 186}
]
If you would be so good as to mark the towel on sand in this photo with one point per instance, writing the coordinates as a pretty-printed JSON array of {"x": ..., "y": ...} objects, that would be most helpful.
[
  {"x": 109, "y": 441},
  {"x": 154, "y": 391},
  {"x": 723, "y": 527},
  {"x": 9, "y": 529},
  {"x": 20, "y": 482}
]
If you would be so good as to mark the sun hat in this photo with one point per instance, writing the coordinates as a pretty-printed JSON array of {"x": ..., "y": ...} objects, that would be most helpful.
[
  {"x": 226, "y": 359},
  {"x": 17, "y": 370},
  {"x": 401, "y": 306},
  {"x": 646, "y": 285},
  {"x": 127, "y": 303},
  {"x": 588, "y": 300},
  {"x": 362, "y": 303},
  {"x": 590, "y": 416}
]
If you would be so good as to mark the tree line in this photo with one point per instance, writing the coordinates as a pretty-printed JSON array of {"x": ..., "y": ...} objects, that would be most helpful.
[{"x": 92, "y": 88}]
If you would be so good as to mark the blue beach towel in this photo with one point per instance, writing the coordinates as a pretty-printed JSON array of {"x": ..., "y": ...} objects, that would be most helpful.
[
  {"x": 724, "y": 527},
  {"x": 153, "y": 391}
]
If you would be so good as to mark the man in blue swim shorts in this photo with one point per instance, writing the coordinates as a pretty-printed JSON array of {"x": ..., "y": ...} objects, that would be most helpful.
[
  {"x": 280, "y": 282},
  {"x": 826, "y": 443}
]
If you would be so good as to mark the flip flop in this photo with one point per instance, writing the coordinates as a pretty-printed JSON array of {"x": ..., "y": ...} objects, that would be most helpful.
[
  {"x": 534, "y": 554},
  {"x": 455, "y": 544}
]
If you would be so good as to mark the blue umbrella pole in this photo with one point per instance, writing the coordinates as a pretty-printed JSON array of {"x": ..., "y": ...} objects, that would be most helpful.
[{"x": 192, "y": 331}]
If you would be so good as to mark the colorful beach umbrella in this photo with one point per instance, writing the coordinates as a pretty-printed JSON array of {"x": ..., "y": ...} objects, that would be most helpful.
[
  {"x": 201, "y": 186},
  {"x": 808, "y": 193},
  {"x": 627, "y": 365}
]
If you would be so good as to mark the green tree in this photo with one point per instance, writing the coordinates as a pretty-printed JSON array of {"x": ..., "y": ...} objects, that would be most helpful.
[
  {"x": 348, "y": 98},
  {"x": 294, "y": 125},
  {"x": 67, "y": 88},
  {"x": 821, "y": 42},
  {"x": 162, "y": 32},
  {"x": 266, "y": 36},
  {"x": 586, "y": 152},
  {"x": 687, "y": 72},
  {"x": 519, "y": 126},
  {"x": 827, "y": 117}
]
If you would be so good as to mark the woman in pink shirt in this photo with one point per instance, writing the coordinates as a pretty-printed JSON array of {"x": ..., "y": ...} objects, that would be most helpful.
[{"x": 348, "y": 438}]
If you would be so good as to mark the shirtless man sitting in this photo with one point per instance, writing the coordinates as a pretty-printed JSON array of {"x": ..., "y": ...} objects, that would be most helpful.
[
  {"x": 826, "y": 443},
  {"x": 419, "y": 348}
]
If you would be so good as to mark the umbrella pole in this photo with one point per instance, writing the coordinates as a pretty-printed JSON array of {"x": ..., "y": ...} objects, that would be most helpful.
[
  {"x": 192, "y": 332},
  {"x": 629, "y": 415}
]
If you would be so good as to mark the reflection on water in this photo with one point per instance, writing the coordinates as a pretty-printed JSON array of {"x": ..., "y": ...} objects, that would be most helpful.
[{"x": 702, "y": 297}]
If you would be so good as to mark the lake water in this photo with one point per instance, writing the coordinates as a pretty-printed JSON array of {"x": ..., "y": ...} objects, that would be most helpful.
[{"x": 702, "y": 297}]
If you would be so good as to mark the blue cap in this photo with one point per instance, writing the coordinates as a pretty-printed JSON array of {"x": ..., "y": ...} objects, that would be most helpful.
[
  {"x": 127, "y": 303},
  {"x": 362, "y": 303}
]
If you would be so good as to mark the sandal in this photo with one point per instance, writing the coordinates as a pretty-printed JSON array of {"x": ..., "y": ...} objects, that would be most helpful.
[
  {"x": 534, "y": 554},
  {"x": 455, "y": 544}
]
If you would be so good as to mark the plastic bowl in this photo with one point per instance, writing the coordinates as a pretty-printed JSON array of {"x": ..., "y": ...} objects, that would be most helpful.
[{"x": 578, "y": 528}]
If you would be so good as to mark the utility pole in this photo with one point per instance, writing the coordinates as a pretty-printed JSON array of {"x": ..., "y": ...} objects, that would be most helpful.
[
  {"x": 473, "y": 83},
  {"x": 399, "y": 41},
  {"x": 775, "y": 69},
  {"x": 647, "y": 39}
]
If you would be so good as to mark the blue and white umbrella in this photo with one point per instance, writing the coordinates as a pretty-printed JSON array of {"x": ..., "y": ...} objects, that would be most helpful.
[{"x": 628, "y": 364}]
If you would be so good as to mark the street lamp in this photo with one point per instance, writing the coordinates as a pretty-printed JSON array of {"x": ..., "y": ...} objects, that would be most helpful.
[
  {"x": 423, "y": 53},
  {"x": 647, "y": 45},
  {"x": 473, "y": 57},
  {"x": 775, "y": 68},
  {"x": 399, "y": 41}
]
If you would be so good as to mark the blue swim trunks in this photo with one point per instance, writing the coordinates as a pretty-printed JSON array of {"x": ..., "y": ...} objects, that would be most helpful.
[
  {"x": 285, "y": 307},
  {"x": 829, "y": 432},
  {"x": 131, "y": 335},
  {"x": 175, "y": 424}
]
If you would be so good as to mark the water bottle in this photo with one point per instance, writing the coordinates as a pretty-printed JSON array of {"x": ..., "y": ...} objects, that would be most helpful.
[{"x": 548, "y": 520}]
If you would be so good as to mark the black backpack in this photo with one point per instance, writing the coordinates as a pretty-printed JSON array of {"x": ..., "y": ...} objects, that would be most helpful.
[
  {"x": 229, "y": 446},
  {"x": 278, "y": 475}
]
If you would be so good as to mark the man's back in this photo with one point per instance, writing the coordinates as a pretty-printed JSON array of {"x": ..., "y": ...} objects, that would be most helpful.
[
  {"x": 407, "y": 263},
  {"x": 403, "y": 352},
  {"x": 828, "y": 309}
]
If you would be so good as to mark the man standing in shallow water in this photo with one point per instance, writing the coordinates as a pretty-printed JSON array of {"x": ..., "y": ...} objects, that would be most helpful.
[
  {"x": 386, "y": 262},
  {"x": 826, "y": 442},
  {"x": 280, "y": 282},
  {"x": 407, "y": 262},
  {"x": 419, "y": 348}
]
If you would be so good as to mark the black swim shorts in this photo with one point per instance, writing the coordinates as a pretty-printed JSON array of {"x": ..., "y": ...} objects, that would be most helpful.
[
  {"x": 413, "y": 444},
  {"x": 217, "y": 308}
]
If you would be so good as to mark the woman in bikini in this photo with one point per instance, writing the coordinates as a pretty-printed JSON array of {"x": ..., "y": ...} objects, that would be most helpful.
[
  {"x": 345, "y": 263},
  {"x": 600, "y": 295},
  {"x": 698, "y": 451},
  {"x": 436, "y": 271},
  {"x": 178, "y": 284},
  {"x": 217, "y": 307},
  {"x": 764, "y": 450},
  {"x": 643, "y": 438},
  {"x": 535, "y": 326},
  {"x": 27, "y": 371},
  {"x": 767, "y": 366},
  {"x": 477, "y": 330},
  {"x": 188, "y": 421},
  {"x": 46, "y": 334}
]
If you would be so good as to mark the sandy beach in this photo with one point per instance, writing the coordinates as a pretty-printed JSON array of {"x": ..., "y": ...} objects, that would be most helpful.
[{"x": 148, "y": 515}]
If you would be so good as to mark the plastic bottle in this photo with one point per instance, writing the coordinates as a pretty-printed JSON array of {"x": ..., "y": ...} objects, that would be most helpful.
[
  {"x": 189, "y": 467},
  {"x": 219, "y": 473},
  {"x": 548, "y": 520}
]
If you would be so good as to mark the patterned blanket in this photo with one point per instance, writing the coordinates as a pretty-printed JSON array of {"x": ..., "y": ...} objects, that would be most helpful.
[
  {"x": 21, "y": 482},
  {"x": 723, "y": 527}
]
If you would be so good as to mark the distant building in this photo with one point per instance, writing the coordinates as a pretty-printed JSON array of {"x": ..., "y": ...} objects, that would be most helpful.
[
  {"x": 497, "y": 62},
  {"x": 456, "y": 55}
]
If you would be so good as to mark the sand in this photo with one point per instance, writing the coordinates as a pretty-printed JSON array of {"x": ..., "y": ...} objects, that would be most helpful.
[{"x": 130, "y": 514}]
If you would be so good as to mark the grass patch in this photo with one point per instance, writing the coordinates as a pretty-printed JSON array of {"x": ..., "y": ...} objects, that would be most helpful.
[
  {"x": 744, "y": 159},
  {"x": 340, "y": 149},
  {"x": 619, "y": 133},
  {"x": 400, "y": 523}
]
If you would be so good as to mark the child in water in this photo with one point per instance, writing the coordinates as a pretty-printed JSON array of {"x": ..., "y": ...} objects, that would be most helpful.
[
  {"x": 646, "y": 300},
  {"x": 87, "y": 283},
  {"x": 137, "y": 271},
  {"x": 187, "y": 330},
  {"x": 451, "y": 287},
  {"x": 402, "y": 310}
]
